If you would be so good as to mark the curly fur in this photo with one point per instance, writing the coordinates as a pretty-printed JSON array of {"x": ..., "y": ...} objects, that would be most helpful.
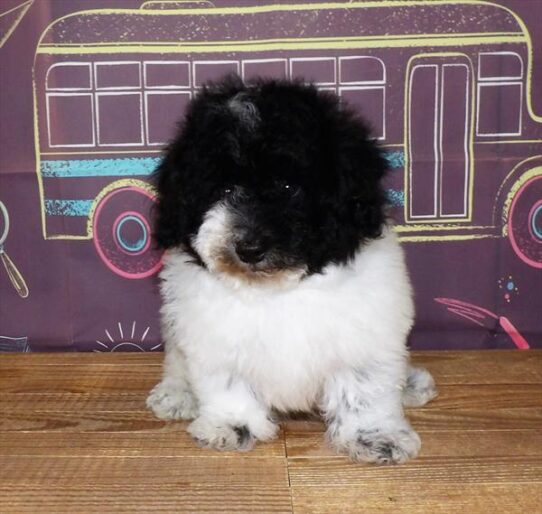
[
  {"x": 284, "y": 288},
  {"x": 296, "y": 136}
]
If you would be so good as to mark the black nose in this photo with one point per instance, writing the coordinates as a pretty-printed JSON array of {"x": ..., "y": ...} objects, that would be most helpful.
[{"x": 250, "y": 252}]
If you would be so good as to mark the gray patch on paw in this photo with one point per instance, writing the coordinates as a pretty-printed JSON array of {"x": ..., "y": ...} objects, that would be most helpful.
[
  {"x": 221, "y": 437},
  {"x": 244, "y": 436},
  {"x": 419, "y": 389},
  {"x": 170, "y": 402},
  {"x": 383, "y": 448}
]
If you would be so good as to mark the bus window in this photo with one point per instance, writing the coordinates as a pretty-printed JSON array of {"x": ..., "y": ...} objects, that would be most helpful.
[
  {"x": 267, "y": 68},
  {"x": 362, "y": 82},
  {"x": 70, "y": 110},
  {"x": 361, "y": 70},
  {"x": 500, "y": 94},
  {"x": 69, "y": 76},
  {"x": 162, "y": 110},
  {"x": 119, "y": 119},
  {"x": 118, "y": 106},
  {"x": 117, "y": 75},
  {"x": 167, "y": 93},
  {"x": 70, "y": 119},
  {"x": 213, "y": 70},
  {"x": 166, "y": 74},
  {"x": 318, "y": 70}
]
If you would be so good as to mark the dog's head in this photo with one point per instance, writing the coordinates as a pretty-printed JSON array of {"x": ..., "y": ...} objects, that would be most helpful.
[{"x": 269, "y": 182}]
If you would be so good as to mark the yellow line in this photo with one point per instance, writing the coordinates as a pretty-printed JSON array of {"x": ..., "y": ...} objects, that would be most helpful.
[
  {"x": 424, "y": 239},
  {"x": 435, "y": 228},
  {"x": 292, "y": 39},
  {"x": 299, "y": 44},
  {"x": 497, "y": 142},
  {"x": 529, "y": 43},
  {"x": 68, "y": 237},
  {"x": 38, "y": 156},
  {"x": 123, "y": 152},
  {"x": 360, "y": 4}
]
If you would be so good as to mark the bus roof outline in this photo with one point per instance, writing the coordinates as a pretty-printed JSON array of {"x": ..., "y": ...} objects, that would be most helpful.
[
  {"x": 464, "y": 29},
  {"x": 520, "y": 34}
]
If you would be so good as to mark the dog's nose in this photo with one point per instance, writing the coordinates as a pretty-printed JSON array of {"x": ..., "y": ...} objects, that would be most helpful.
[{"x": 250, "y": 252}]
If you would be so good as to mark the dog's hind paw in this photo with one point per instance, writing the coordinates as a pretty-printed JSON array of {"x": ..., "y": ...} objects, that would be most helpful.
[
  {"x": 382, "y": 447},
  {"x": 209, "y": 434},
  {"x": 419, "y": 389},
  {"x": 170, "y": 400}
]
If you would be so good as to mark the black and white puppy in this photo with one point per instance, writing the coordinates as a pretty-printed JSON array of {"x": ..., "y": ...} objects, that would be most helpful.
[{"x": 283, "y": 287}]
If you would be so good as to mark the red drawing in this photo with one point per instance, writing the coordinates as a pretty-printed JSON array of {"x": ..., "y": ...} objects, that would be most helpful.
[{"x": 480, "y": 315}]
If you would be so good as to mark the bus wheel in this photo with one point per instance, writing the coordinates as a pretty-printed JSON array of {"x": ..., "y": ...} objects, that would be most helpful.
[
  {"x": 122, "y": 233},
  {"x": 525, "y": 222}
]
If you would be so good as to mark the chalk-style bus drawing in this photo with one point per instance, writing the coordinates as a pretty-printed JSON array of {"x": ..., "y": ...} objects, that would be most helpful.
[{"x": 447, "y": 87}]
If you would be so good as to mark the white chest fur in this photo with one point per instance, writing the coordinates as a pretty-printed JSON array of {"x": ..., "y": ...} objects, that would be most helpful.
[{"x": 285, "y": 342}]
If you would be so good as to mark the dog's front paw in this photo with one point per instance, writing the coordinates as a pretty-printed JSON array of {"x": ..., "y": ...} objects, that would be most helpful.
[
  {"x": 381, "y": 447},
  {"x": 170, "y": 400},
  {"x": 221, "y": 436}
]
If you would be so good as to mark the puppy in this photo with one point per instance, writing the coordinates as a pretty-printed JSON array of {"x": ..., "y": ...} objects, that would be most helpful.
[{"x": 284, "y": 287}]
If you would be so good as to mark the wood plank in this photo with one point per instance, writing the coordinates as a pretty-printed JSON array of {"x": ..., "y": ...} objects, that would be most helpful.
[
  {"x": 433, "y": 419},
  {"x": 78, "y": 378},
  {"x": 339, "y": 471},
  {"x": 414, "y": 498},
  {"x": 75, "y": 436},
  {"x": 151, "y": 497},
  {"x": 482, "y": 367},
  {"x": 451, "y": 367},
  {"x": 423, "y": 420},
  {"x": 458, "y": 443},
  {"x": 118, "y": 359},
  {"x": 81, "y": 422},
  {"x": 223, "y": 470},
  {"x": 97, "y": 401},
  {"x": 483, "y": 396},
  {"x": 173, "y": 442}
]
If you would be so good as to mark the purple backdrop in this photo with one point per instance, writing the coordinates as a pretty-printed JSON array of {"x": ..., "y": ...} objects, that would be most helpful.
[{"x": 90, "y": 91}]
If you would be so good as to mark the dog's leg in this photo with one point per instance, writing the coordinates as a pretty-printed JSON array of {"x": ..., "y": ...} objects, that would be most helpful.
[
  {"x": 419, "y": 388},
  {"x": 230, "y": 417},
  {"x": 172, "y": 398},
  {"x": 365, "y": 415}
]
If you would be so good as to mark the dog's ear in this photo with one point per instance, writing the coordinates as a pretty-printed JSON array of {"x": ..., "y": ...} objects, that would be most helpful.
[
  {"x": 371, "y": 200},
  {"x": 361, "y": 165},
  {"x": 170, "y": 224}
]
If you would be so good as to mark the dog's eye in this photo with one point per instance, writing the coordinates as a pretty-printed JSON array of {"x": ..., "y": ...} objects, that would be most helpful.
[
  {"x": 286, "y": 188},
  {"x": 228, "y": 190}
]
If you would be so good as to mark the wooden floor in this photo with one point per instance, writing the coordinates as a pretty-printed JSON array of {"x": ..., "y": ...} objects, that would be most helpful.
[{"x": 75, "y": 437}]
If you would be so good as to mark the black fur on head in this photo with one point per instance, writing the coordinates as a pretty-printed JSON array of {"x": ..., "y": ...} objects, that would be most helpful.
[{"x": 298, "y": 170}]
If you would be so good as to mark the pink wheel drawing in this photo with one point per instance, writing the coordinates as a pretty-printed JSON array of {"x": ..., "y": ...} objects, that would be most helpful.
[
  {"x": 122, "y": 233},
  {"x": 525, "y": 222}
]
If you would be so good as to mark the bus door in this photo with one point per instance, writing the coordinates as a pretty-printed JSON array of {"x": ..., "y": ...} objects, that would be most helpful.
[{"x": 438, "y": 137}]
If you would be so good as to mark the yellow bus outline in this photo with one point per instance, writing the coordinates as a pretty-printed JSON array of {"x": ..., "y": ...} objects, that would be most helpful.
[{"x": 393, "y": 41}]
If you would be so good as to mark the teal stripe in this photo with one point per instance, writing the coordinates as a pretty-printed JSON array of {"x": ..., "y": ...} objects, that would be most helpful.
[
  {"x": 82, "y": 207},
  {"x": 68, "y": 207},
  {"x": 136, "y": 166},
  {"x": 130, "y": 166},
  {"x": 396, "y": 159},
  {"x": 396, "y": 197}
]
